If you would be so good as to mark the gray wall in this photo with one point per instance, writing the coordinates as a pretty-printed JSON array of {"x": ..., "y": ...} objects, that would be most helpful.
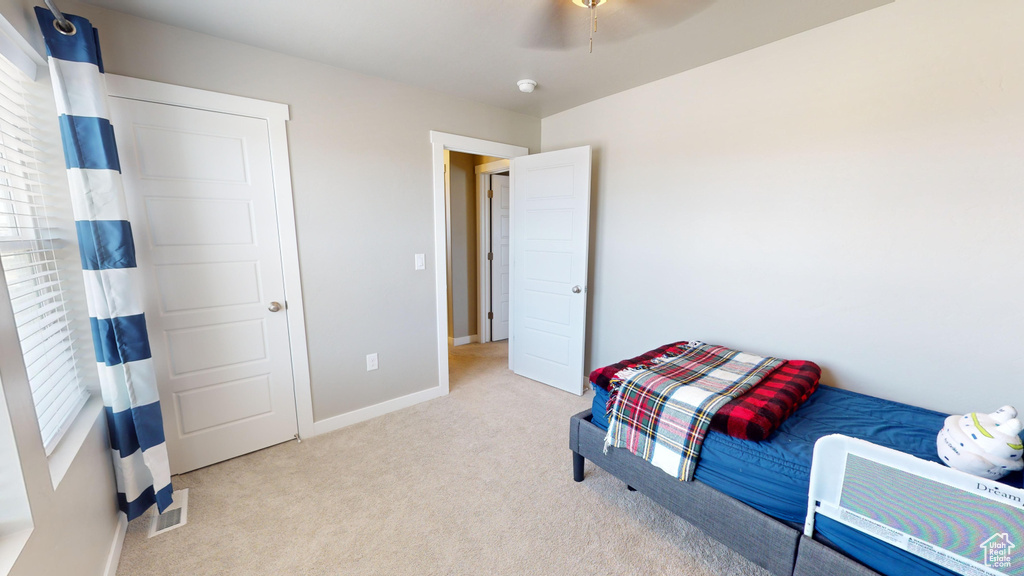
[
  {"x": 463, "y": 303},
  {"x": 850, "y": 195},
  {"x": 361, "y": 172},
  {"x": 79, "y": 517}
]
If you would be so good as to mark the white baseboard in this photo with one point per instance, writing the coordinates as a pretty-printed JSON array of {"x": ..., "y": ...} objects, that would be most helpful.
[
  {"x": 462, "y": 340},
  {"x": 114, "y": 558},
  {"x": 363, "y": 414}
]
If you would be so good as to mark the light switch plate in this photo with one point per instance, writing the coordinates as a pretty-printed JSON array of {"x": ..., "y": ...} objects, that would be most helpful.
[
  {"x": 421, "y": 262},
  {"x": 371, "y": 362}
]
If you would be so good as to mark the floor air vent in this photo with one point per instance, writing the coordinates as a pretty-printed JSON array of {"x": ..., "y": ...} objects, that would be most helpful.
[{"x": 175, "y": 516}]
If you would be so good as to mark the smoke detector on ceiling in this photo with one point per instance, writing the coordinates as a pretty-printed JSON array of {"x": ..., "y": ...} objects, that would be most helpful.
[{"x": 527, "y": 86}]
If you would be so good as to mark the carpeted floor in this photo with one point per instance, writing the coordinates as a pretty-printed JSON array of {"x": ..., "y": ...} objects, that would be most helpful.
[{"x": 478, "y": 482}]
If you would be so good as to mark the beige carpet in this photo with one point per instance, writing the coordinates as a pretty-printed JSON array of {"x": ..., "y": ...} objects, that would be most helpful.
[{"x": 478, "y": 482}]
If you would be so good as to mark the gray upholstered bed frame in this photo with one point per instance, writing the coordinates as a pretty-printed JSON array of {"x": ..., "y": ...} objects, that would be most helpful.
[{"x": 778, "y": 547}]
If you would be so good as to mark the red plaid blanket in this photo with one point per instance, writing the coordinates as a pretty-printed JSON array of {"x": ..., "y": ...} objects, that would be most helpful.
[
  {"x": 752, "y": 416},
  {"x": 662, "y": 412},
  {"x": 756, "y": 414},
  {"x": 605, "y": 377}
]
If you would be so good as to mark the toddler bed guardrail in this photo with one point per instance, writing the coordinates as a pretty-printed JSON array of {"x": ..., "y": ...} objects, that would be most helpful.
[{"x": 966, "y": 524}]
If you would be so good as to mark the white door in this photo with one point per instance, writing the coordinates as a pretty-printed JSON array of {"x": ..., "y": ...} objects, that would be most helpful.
[
  {"x": 201, "y": 199},
  {"x": 500, "y": 231},
  {"x": 550, "y": 222}
]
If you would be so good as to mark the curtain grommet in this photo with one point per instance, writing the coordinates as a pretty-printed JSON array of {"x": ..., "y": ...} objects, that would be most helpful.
[{"x": 56, "y": 25}]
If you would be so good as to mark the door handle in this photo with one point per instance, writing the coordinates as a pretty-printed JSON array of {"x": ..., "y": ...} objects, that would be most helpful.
[
  {"x": 274, "y": 307},
  {"x": 576, "y": 289}
]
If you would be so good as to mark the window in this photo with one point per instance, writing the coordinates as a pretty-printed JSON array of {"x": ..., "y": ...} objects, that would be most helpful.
[{"x": 31, "y": 253}]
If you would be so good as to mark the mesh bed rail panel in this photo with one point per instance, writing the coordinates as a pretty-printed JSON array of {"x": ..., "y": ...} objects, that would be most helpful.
[{"x": 964, "y": 523}]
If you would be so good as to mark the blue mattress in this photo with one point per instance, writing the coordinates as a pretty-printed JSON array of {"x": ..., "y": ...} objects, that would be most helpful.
[{"x": 774, "y": 476}]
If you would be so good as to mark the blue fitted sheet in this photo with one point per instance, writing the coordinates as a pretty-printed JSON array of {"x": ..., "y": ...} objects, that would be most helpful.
[{"x": 774, "y": 476}]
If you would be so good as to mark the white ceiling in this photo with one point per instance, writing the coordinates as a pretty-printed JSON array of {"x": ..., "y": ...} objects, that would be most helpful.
[{"x": 478, "y": 49}]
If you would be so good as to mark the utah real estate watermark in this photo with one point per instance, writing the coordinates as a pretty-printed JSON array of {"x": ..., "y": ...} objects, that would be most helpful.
[{"x": 998, "y": 551}]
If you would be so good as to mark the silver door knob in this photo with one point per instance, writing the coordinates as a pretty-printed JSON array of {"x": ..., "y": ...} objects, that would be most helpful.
[
  {"x": 576, "y": 290},
  {"x": 274, "y": 307}
]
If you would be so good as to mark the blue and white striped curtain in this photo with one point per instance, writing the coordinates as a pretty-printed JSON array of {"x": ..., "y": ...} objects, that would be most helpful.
[{"x": 119, "y": 334}]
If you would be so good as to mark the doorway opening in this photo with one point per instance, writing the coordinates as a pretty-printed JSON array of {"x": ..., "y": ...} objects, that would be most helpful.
[
  {"x": 477, "y": 202},
  {"x": 460, "y": 249},
  {"x": 548, "y": 244},
  {"x": 477, "y": 236}
]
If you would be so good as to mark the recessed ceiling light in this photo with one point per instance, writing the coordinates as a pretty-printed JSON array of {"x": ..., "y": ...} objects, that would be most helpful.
[{"x": 527, "y": 86}]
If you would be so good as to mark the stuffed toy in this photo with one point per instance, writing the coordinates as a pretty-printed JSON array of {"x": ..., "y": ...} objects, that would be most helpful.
[{"x": 986, "y": 445}]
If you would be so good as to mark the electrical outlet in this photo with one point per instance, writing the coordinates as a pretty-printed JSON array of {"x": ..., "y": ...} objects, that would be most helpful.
[
  {"x": 371, "y": 361},
  {"x": 421, "y": 262}
]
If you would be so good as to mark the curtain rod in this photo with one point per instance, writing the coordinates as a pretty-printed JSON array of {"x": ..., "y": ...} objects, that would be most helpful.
[{"x": 63, "y": 25}]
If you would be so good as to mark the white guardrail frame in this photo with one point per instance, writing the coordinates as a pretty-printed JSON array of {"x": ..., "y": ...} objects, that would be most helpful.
[{"x": 828, "y": 471}]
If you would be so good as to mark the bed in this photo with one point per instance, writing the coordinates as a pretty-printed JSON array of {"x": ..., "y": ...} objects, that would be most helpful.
[{"x": 752, "y": 496}]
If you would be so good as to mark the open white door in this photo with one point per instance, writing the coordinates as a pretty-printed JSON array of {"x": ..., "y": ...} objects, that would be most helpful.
[
  {"x": 501, "y": 258},
  {"x": 550, "y": 222}
]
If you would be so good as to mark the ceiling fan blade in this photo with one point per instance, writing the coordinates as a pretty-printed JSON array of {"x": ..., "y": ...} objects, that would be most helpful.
[
  {"x": 547, "y": 27},
  {"x": 620, "y": 19},
  {"x": 561, "y": 25},
  {"x": 667, "y": 14}
]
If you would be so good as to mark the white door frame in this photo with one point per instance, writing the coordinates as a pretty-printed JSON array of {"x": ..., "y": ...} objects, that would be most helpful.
[
  {"x": 275, "y": 115},
  {"x": 441, "y": 141},
  {"x": 483, "y": 226}
]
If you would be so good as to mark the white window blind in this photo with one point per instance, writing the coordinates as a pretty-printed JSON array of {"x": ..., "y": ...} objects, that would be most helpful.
[{"x": 31, "y": 260}]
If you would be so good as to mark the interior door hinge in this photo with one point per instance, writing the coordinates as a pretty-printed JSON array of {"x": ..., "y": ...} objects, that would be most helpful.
[
  {"x": 490, "y": 315},
  {"x": 490, "y": 193},
  {"x": 490, "y": 255}
]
